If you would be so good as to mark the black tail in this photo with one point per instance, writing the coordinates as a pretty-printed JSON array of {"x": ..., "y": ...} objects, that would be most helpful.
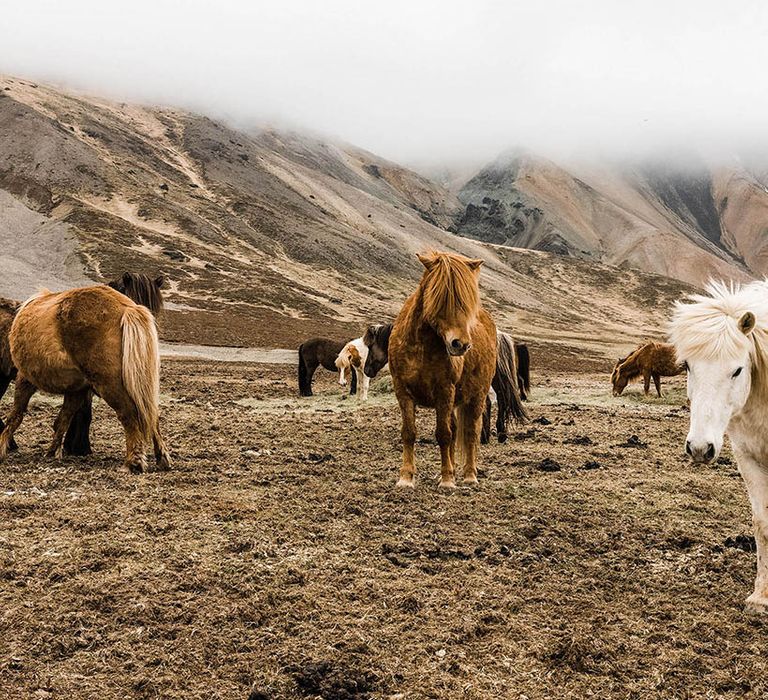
[
  {"x": 523, "y": 370},
  {"x": 505, "y": 385},
  {"x": 77, "y": 441},
  {"x": 305, "y": 383}
]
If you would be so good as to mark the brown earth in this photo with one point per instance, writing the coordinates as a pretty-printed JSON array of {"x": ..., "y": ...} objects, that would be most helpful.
[{"x": 278, "y": 560}]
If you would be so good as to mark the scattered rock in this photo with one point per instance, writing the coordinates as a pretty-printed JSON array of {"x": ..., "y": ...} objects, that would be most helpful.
[
  {"x": 542, "y": 420},
  {"x": 633, "y": 441},
  {"x": 175, "y": 254},
  {"x": 746, "y": 543},
  {"x": 164, "y": 187},
  {"x": 578, "y": 440},
  {"x": 592, "y": 464},
  {"x": 527, "y": 435},
  {"x": 549, "y": 465}
]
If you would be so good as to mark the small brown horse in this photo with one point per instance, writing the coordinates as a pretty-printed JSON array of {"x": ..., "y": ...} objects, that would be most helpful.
[
  {"x": 442, "y": 355},
  {"x": 83, "y": 340},
  {"x": 653, "y": 360},
  {"x": 318, "y": 352}
]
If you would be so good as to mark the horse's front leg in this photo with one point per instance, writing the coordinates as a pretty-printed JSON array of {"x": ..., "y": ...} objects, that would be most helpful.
[
  {"x": 408, "y": 434},
  {"x": 646, "y": 382},
  {"x": 470, "y": 420},
  {"x": 657, "y": 382},
  {"x": 755, "y": 477},
  {"x": 445, "y": 438},
  {"x": 364, "y": 381},
  {"x": 73, "y": 401}
]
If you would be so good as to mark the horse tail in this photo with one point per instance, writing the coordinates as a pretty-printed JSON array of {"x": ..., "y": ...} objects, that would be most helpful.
[
  {"x": 523, "y": 358},
  {"x": 141, "y": 365},
  {"x": 505, "y": 382}
]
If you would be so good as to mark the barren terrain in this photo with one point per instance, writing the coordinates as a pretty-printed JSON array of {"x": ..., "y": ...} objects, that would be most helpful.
[{"x": 277, "y": 560}]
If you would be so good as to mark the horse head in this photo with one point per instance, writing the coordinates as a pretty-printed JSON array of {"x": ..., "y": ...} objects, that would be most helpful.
[
  {"x": 451, "y": 299},
  {"x": 376, "y": 339},
  {"x": 714, "y": 338},
  {"x": 142, "y": 289}
]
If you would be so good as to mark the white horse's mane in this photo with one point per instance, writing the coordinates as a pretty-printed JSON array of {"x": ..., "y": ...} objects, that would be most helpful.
[{"x": 706, "y": 326}]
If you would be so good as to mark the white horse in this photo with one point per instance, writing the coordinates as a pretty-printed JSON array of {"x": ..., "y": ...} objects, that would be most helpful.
[
  {"x": 353, "y": 356},
  {"x": 722, "y": 337}
]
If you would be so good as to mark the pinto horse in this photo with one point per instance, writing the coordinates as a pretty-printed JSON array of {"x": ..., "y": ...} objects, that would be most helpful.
[
  {"x": 442, "y": 355},
  {"x": 721, "y": 338},
  {"x": 318, "y": 352},
  {"x": 83, "y": 340},
  {"x": 652, "y": 360},
  {"x": 352, "y": 359}
]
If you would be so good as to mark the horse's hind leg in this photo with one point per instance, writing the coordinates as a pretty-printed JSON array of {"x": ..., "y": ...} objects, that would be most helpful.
[
  {"x": 408, "y": 434},
  {"x": 646, "y": 383},
  {"x": 77, "y": 440},
  {"x": 5, "y": 380},
  {"x": 162, "y": 458},
  {"x": 485, "y": 432},
  {"x": 657, "y": 382},
  {"x": 501, "y": 423},
  {"x": 128, "y": 415},
  {"x": 72, "y": 403},
  {"x": 21, "y": 396}
]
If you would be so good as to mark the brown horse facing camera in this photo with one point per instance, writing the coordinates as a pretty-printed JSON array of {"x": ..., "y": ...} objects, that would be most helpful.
[
  {"x": 652, "y": 360},
  {"x": 442, "y": 355},
  {"x": 83, "y": 340}
]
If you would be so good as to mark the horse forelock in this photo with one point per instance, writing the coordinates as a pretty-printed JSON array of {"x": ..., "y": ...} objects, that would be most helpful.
[
  {"x": 141, "y": 288},
  {"x": 449, "y": 289},
  {"x": 706, "y": 326}
]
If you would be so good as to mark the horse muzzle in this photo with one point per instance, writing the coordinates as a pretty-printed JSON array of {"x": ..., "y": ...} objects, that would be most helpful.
[
  {"x": 456, "y": 348},
  {"x": 701, "y": 453}
]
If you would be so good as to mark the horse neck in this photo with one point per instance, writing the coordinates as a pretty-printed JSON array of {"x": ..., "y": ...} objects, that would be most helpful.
[{"x": 631, "y": 366}]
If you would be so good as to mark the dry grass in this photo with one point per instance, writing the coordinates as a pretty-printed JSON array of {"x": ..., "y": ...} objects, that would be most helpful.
[{"x": 277, "y": 558}]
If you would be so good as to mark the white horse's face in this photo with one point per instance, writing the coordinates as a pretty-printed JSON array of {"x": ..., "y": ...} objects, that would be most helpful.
[{"x": 717, "y": 391}]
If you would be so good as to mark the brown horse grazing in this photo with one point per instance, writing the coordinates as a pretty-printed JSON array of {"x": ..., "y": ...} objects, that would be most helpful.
[
  {"x": 89, "y": 339},
  {"x": 442, "y": 355},
  {"x": 144, "y": 290},
  {"x": 505, "y": 385},
  {"x": 316, "y": 352},
  {"x": 653, "y": 360}
]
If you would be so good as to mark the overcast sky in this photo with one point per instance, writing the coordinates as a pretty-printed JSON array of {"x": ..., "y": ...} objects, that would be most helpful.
[{"x": 422, "y": 80}]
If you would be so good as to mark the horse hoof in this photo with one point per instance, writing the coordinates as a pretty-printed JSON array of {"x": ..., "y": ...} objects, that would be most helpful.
[
  {"x": 134, "y": 468},
  {"x": 756, "y": 604},
  {"x": 163, "y": 463},
  {"x": 402, "y": 482},
  {"x": 470, "y": 479},
  {"x": 447, "y": 484},
  {"x": 503, "y": 437}
]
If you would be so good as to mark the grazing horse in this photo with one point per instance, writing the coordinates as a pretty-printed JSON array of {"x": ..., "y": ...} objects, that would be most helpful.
[
  {"x": 314, "y": 353},
  {"x": 352, "y": 358},
  {"x": 652, "y": 360},
  {"x": 83, "y": 340},
  {"x": 721, "y": 338},
  {"x": 505, "y": 386},
  {"x": 442, "y": 355}
]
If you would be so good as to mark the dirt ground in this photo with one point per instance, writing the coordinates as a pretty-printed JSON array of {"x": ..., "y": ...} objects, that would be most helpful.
[{"x": 277, "y": 560}]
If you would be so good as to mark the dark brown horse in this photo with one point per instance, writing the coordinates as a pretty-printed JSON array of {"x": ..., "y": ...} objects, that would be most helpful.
[
  {"x": 315, "y": 353},
  {"x": 142, "y": 289},
  {"x": 442, "y": 355},
  {"x": 652, "y": 360}
]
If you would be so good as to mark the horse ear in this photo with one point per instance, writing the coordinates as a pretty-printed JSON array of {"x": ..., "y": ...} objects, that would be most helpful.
[
  {"x": 160, "y": 281},
  {"x": 474, "y": 264},
  {"x": 747, "y": 323},
  {"x": 427, "y": 260}
]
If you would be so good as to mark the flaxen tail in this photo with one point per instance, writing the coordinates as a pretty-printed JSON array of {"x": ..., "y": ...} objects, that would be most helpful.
[{"x": 141, "y": 365}]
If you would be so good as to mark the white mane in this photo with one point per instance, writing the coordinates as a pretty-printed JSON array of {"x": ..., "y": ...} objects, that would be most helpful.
[{"x": 706, "y": 327}]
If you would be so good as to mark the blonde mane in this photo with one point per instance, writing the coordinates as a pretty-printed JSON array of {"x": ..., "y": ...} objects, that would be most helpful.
[
  {"x": 449, "y": 287},
  {"x": 706, "y": 327}
]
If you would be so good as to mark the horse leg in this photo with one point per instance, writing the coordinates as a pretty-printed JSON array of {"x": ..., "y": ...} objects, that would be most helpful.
[
  {"x": 470, "y": 419},
  {"x": 657, "y": 382},
  {"x": 485, "y": 433},
  {"x": 21, "y": 396},
  {"x": 445, "y": 438},
  {"x": 755, "y": 477},
  {"x": 501, "y": 423},
  {"x": 77, "y": 441},
  {"x": 162, "y": 458},
  {"x": 646, "y": 382},
  {"x": 128, "y": 415},
  {"x": 364, "y": 381},
  {"x": 5, "y": 380},
  {"x": 72, "y": 403},
  {"x": 408, "y": 434}
]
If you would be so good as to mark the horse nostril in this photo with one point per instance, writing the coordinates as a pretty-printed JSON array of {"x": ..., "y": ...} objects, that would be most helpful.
[
  {"x": 710, "y": 451},
  {"x": 688, "y": 448}
]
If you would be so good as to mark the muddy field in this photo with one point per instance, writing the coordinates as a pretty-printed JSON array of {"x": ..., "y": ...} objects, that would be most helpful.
[{"x": 277, "y": 560}]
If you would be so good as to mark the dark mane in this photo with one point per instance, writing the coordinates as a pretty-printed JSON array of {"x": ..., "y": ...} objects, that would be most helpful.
[
  {"x": 142, "y": 289},
  {"x": 378, "y": 334}
]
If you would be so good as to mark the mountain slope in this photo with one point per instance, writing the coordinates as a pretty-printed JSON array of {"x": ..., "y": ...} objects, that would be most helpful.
[{"x": 268, "y": 236}]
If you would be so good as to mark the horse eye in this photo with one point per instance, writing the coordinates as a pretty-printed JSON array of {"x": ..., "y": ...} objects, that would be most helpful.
[{"x": 736, "y": 373}]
